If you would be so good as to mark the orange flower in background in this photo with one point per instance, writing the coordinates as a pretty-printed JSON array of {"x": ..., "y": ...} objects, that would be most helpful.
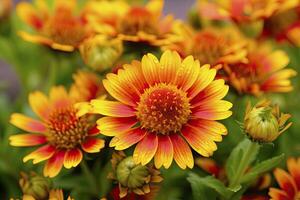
[
  {"x": 135, "y": 23},
  {"x": 211, "y": 45},
  {"x": 263, "y": 73},
  {"x": 239, "y": 10},
  {"x": 285, "y": 24},
  {"x": 58, "y": 28},
  {"x": 61, "y": 133},
  {"x": 288, "y": 182},
  {"x": 165, "y": 106}
]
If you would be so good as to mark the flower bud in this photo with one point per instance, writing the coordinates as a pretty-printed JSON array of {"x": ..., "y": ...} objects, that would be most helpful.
[
  {"x": 100, "y": 52},
  {"x": 133, "y": 177},
  {"x": 34, "y": 185},
  {"x": 264, "y": 122}
]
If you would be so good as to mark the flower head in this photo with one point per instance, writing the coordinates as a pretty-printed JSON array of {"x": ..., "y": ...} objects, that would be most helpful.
[
  {"x": 211, "y": 45},
  {"x": 132, "y": 177},
  {"x": 285, "y": 24},
  {"x": 61, "y": 133},
  {"x": 133, "y": 24},
  {"x": 288, "y": 182},
  {"x": 238, "y": 10},
  {"x": 59, "y": 28},
  {"x": 100, "y": 52},
  {"x": 165, "y": 106},
  {"x": 264, "y": 72},
  {"x": 264, "y": 122}
]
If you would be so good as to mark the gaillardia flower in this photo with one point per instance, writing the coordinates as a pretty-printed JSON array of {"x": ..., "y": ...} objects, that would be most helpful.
[
  {"x": 238, "y": 10},
  {"x": 263, "y": 73},
  {"x": 211, "y": 45},
  {"x": 133, "y": 24},
  {"x": 61, "y": 133},
  {"x": 288, "y": 182},
  {"x": 264, "y": 122},
  {"x": 58, "y": 28},
  {"x": 165, "y": 106},
  {"x": 132, "y": 177}
]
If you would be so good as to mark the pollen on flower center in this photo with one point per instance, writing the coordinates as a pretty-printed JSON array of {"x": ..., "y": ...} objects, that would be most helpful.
[
  {"x": 163, "y": 108},
  {"x": 66, "y": 130}
]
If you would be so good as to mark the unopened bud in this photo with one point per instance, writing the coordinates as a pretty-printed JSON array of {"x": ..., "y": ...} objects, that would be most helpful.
[
  {"x": 100, "y": 52},
  {"x": 34, "y": 185},
  {"x": 264, "y": 122}
]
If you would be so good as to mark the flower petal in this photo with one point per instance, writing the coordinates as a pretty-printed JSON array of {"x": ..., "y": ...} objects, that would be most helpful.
[
  {"x": 205, "y": 77},
  {"x": 164, "y": 153},
  {"x": 198, "y": 140},
  {"x": 93, "y": 145},
  {"x": 145, "y": 149},
  {"x": 127, "y": 139},
  {"x": 187, "y": 73},
  {"x": 182, "y": 153},
  {"x": 277, "y": 194},
  {"x": 293, "y": 165},
  {"x": 150, "y": 68},
  {"x": 111, "y": 126},
  {"x": 216, "y": 110},
  {"x": 54, "y": 164},
  {"x": 29, "y": 15},
  {"x": 169, "y": 63},
  {"x": 27, "y": 124},
  {"x": 24, "y": 140},
  {"x": 41, "y": 154},
  {"x": 59, "y": 97},
  {"x": 286, "y": 182},
  {"x": 93, "y": 131},
  {"x": 112, "y": 108},
  {"x": 214, "y": 91},
  {"x": 40, "y": 104},
  {"x": 72, "y": 158}
]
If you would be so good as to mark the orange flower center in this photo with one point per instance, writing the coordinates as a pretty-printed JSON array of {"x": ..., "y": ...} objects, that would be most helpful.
[
  {"x": 163, "y": 108},
  {"x": 138, "y": 19},
  {"x": 208, "y": 48},
  {"x": 66, "y": 130},
  {"x": 64, "y": 28}
]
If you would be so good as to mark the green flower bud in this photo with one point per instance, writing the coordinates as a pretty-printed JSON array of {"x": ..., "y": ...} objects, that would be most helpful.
[
  {"x": 100, "y": 52},
  {"x": 35, "y": 185},
  {"x": 264, "y": 122},
  {"x": 130, "y": 174}
]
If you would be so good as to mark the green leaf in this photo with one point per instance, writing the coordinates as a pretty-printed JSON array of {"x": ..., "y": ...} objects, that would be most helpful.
[
  {"x": 200, "y": 183},
  {"x": 239, "y": 160},
  {"x": 262, "y": 167}
]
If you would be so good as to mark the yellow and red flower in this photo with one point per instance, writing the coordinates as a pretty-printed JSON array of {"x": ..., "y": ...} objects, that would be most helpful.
[
  {"x": 239, "y": 10},
  {"x": 134, "y": 23},
  {"x": 211, "y": 45},
  {"x": 285, "y": 24},
  {"x": 263, "y": 73},
  {"x": 61, "y": 133},
  {"x": 165, "y": 106},
  {"x": 288, "y": 182},
  {"x": 58, "y": 28}
]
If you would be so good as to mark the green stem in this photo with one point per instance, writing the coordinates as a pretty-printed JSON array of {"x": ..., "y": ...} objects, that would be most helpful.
[
  {"x": 89, "y": 176},
  {"x": 243, "y": 164}
]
